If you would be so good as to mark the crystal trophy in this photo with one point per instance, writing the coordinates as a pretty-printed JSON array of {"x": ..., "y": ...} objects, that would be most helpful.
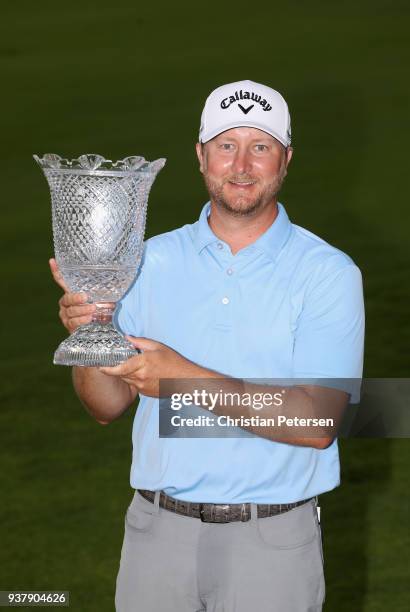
[{"x": 98, "y": 211}]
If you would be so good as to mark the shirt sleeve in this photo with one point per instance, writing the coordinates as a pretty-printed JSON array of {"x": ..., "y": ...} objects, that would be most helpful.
[{"x": 329, "y": 338}]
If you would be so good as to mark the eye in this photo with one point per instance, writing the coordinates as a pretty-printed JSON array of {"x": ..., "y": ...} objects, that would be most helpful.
[
  {"x": 226, "y": 146},
  {"x": 261, "y": 148}
]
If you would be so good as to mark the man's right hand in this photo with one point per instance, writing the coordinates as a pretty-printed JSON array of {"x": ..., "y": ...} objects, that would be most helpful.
[{"x": 74, "y": 309}]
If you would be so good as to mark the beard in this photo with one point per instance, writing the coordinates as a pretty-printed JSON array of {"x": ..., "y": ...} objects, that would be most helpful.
[{"x": 244, "y": 205}]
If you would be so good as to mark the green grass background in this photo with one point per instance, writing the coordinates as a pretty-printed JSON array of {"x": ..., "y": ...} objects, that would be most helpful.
[{"x": 131, "y": 78}]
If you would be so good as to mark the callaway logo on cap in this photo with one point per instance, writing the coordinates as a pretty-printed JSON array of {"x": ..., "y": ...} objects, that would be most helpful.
[{"x": 245, "y": 103}]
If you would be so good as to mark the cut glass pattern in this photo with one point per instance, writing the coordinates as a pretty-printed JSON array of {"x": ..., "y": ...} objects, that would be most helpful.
[{"x": 98, "y": 213}]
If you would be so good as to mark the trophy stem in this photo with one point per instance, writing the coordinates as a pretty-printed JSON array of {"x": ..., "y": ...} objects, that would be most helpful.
[
  {"x": 97, "y": 343},
  {"x": 104, "y": 312}
]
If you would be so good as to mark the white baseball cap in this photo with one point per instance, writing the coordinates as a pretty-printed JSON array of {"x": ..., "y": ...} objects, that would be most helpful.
[{"x": 245, "y": 103}]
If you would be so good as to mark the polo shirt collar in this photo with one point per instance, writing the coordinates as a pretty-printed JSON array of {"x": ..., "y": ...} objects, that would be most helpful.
[{"x": 271, "y": 241}]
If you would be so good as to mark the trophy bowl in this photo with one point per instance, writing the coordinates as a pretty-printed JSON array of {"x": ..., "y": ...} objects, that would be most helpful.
[{"x": 99, "y": 211}]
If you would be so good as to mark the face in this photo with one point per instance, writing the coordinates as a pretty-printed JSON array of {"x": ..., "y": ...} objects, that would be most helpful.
[{"x": 243, "y": 169}]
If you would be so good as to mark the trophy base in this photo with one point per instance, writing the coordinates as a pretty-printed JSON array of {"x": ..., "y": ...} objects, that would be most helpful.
[{"x": 94, "y": 344}]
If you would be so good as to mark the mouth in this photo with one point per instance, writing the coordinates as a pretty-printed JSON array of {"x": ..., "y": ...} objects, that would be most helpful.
[{"x": 243, "y": 184}]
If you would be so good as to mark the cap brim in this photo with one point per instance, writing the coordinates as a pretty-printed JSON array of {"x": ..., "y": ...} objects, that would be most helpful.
[{"x": 211, "y": 134}]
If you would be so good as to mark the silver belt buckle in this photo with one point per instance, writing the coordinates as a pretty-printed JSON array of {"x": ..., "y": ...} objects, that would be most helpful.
[{"x": 214, "y": 515}]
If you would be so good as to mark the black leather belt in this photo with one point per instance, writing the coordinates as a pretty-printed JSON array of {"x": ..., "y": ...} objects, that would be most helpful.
[{"x": 218, "y": 513}]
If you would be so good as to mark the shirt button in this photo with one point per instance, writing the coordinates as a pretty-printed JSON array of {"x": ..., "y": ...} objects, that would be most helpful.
[
  {"x": 225, "y": 300},
  {"x": 229, "y": 271},
  {"x": 220, "y": 245}
]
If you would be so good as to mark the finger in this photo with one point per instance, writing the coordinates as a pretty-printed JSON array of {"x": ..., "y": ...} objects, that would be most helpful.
[
  {"x": 73, "y": 299},
  {"x": 80, "y": 311},
  {"x": 134, "y": 382},
  {"x": 119, "y": 370},
  {"x": 77, "y": 321},
  {"x": 112, "y": 371},
  {"x": 124, "y": 369},
  {"x": 58, "y": 277},
  {"x": 145, "y": 344}
]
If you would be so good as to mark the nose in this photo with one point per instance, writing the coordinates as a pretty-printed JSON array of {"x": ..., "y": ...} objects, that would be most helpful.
[{"x": 242, "y": 163}]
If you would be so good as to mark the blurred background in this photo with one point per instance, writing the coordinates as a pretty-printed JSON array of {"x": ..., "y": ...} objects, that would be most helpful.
[{"x": 131, "y": 78}]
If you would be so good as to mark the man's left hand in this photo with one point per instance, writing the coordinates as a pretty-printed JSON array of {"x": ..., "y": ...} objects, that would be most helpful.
[{"x": 157, "y": 360}]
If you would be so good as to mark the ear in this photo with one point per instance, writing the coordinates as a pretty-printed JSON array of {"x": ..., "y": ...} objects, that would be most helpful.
[
  {"x": 200, "y": 156},
  {"x": 289, "y": 153}
]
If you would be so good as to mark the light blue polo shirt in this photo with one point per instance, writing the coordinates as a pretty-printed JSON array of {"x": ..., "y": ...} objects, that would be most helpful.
[{"x": 287, "y": 306}]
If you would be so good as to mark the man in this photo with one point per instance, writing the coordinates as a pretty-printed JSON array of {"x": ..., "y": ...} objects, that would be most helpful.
[{"x": 241, "y": 293}]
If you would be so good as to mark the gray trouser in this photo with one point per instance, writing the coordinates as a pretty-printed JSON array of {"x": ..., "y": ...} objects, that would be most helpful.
[{"x": 173, "y": 563}]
